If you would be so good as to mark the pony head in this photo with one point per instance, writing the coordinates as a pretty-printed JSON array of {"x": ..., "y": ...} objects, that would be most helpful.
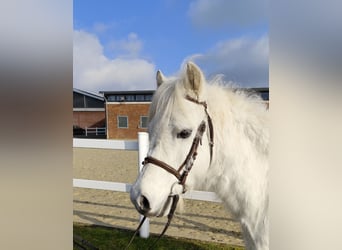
[{"x": 174, "y": 122}]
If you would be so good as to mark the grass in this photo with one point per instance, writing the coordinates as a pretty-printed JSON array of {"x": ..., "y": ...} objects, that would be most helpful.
[{"x": 110, "y": 238}]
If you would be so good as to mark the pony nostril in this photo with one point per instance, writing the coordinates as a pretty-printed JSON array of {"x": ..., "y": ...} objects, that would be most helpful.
[{"x": 144, "y": 203}]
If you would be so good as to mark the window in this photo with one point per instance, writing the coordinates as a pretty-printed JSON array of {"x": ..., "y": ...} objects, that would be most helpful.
[
  {"x": 130, "y": 98},
  {"x": 116, "y": 98},
  {"x": 78, "y": 100},
  {"x": 148, "y": 97},
  {"x": 122, "y": 121},
  {"x": 111, "y": 98},
  {"x": 139, "y": 97},
  {"x": 93, "y": 103},
  {"x": 143, "y": 122}
]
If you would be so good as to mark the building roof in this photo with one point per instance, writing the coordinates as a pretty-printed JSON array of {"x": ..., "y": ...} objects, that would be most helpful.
[{"x": 92, "y": 95}]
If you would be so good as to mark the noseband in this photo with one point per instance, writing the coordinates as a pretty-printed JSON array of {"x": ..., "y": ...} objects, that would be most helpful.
[{"x": 191, "y": 156}]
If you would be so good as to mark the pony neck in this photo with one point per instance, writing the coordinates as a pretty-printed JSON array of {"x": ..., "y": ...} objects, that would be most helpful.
[{"x": 239, "y": 170}]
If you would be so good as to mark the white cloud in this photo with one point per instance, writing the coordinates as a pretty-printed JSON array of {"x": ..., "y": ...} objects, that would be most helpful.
[
  {"x": 243, "y": 61},
  {"x": 227, "y": 13},
  {"x": 129, "y": 47},
  {"x": 94, "y": 71},
  {"x": 99, "y": 27}
]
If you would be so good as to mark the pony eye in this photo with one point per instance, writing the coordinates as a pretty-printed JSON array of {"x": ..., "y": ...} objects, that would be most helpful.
[{"x": 185, "y": 133}]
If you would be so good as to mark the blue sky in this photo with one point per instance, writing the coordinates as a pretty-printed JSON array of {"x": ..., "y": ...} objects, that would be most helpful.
[{"x": 119, "y": 45}]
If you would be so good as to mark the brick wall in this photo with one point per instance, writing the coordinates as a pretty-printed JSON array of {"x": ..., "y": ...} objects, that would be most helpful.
[
  {"x": 133, "y": 111},
  {"x": 89, "y": 118}
]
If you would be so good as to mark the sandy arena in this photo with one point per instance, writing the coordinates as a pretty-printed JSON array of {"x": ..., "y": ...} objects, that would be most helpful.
[{"x": 207, "y": 221}]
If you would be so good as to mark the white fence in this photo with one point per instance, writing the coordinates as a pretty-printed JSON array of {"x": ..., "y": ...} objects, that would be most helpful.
[
  {"x": 126, "y": 187},
  {"x": 105, "y": 144},
  {"x": 142, "y": 147}
]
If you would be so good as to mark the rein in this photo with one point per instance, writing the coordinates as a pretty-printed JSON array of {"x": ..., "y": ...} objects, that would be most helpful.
[{"x": 186, "y": 166}]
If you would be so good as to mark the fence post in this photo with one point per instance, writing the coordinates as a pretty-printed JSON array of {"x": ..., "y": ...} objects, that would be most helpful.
[
  {"x": 143, "y": 149},
  {"x": 86, "y": 131},
  {"x": 96, "y": 131}
]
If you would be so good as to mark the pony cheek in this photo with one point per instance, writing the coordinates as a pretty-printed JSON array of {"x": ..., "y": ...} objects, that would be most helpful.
[
  {"x": 199, "y": 172},
  {"x": 190, "y": 183}
]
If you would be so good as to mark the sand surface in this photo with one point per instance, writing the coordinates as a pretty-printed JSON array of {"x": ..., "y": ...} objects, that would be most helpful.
[{"x": 200, "y": 220}]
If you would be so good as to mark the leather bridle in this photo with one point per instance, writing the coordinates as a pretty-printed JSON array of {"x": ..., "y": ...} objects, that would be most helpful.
[{"x": 186, "y": 166}]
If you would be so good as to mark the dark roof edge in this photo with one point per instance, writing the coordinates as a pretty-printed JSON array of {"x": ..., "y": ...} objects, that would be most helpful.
[
  {"x": 123, "y": 92},
  {"x": 259, "y": 89}
]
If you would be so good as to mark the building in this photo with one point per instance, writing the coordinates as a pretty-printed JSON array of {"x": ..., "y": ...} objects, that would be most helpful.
[
  {"x": 264, "y": 94},
  {"x": 127, "y": 111},
  {"x": 88, "y": 112}
]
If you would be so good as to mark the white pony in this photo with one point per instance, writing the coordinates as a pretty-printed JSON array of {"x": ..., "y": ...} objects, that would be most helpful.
[{"x": 238, "y": 168}]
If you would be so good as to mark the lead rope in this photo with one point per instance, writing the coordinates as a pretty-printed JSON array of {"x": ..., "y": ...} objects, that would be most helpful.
[
  {"x": 135, "y": 233},
  {"x": 169, "y": 218}
]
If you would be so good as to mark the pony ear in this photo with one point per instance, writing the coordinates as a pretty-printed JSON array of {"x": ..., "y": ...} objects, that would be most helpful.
[
  {"x": 194, "y": 79},
  {"x": 160, "y": 78}
]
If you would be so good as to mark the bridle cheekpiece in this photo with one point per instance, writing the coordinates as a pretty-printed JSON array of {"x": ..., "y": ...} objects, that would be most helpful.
[{"x": 186, "y": 166}]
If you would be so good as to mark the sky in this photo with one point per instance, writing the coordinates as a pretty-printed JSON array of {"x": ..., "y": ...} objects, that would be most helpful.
[{"x": 120, "y": 45}]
